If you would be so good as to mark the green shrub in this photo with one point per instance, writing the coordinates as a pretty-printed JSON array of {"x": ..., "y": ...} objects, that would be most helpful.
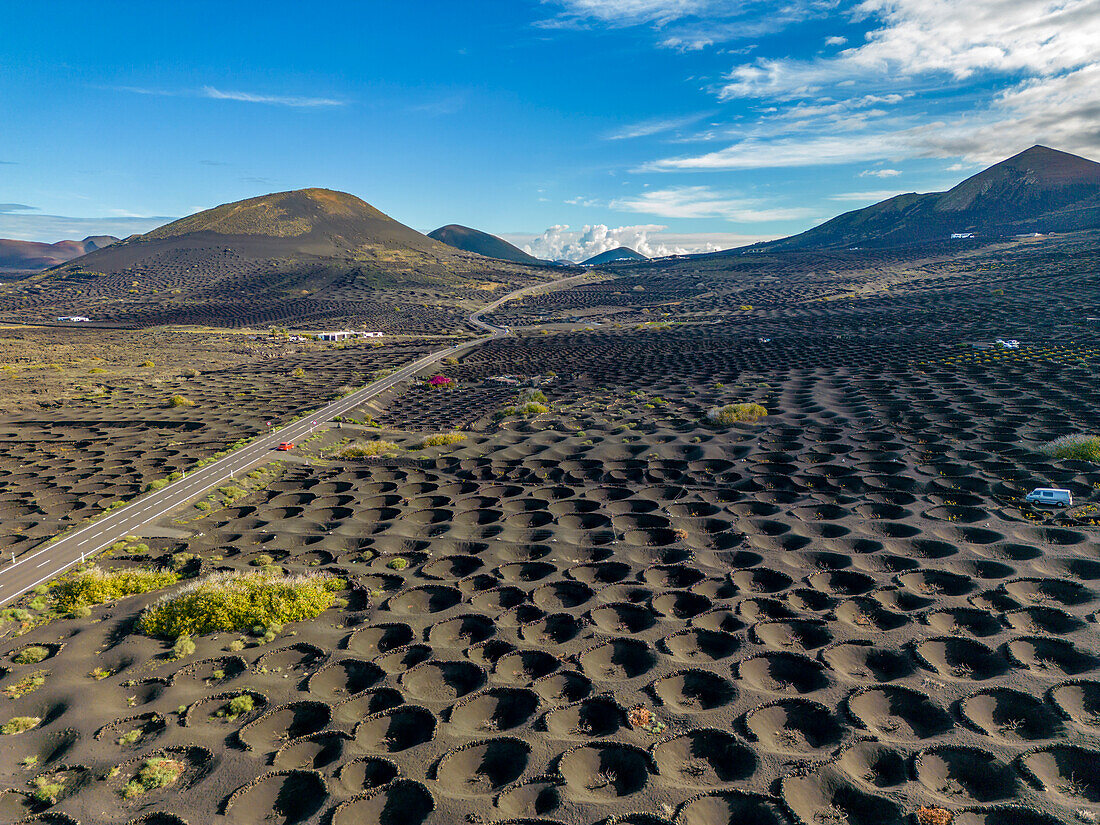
[
  {"x": 148, "y": 364},
  {"x": 156, "y": 484},
  {"x": 48, "y": 788},
  {"x": 239, "y": 705},
  {"x": 96, "y": 586},
  {"x": 734, "y": 413},
  {"x": 369, "y": 449},
  {"x": 155, "y": 773},
  {"x": 179, "y": 401},
  {"x": 31, "y": 655},
  {"x": 299, "y": 373},
  {"x": 262, "y": 560},
  {"x": 397, "y": 564},
  {"x": 1079, "y": 447},
  {"x": 28, "y": 684},
  {"x": 184, "y": 646},
  {"x": 130, "y": 737},
  {"x": 19, "y": 724},
  {"x": 534, "y": 408},
  {"x": 538, "y": 396},
  {"x": 439, "y": 439},
  {"x": 239, "y": 601}
]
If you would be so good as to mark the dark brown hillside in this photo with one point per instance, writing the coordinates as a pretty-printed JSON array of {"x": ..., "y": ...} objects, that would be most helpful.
[
  {"x": 481, "y": 243},
  {"x": 1039, "y": 190}
]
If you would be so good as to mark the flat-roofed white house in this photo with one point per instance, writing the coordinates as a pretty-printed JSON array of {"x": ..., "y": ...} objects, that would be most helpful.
[{"x": 345, "y": 334}]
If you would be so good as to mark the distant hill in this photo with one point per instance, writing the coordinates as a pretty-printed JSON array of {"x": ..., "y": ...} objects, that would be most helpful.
[
  {"x": 31, "y": 255},
  {"x": 622, "y": 253},
  {"x": 481, "y": 243},
  {"x": 1039, "y": 190},
  {"x": 308, "y": 254}
]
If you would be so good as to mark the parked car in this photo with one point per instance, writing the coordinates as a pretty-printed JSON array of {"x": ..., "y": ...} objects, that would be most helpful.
[
  {"x": 1052, "y": 496},
  {"x": 284, "y": 446}
]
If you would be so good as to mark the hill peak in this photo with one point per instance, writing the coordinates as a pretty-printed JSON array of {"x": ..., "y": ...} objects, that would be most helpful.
[
  {"x": 482, "y": 243},
  {"x": 278, "y": 215}
]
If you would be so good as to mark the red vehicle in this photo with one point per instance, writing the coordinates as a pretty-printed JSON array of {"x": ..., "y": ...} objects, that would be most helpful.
[{"x": 285, "y": 446}]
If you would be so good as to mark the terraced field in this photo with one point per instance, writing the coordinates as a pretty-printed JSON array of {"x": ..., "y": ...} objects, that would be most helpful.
[{"x": 612, "y": 609}]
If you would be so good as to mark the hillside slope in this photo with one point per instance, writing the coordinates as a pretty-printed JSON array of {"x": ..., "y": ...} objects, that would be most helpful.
[
  {"x": 481, "y": 243},
  {"x": 32, "y": 255},
  {"x": 313, "y": 255},
  {"x": 622, "y": 253},
  {"x": 1039, "y": 190}
]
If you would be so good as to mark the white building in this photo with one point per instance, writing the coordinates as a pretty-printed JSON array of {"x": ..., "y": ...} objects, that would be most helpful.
[
  {"x": 344, "y": 335},
  {"x": 72, "y": 319}
]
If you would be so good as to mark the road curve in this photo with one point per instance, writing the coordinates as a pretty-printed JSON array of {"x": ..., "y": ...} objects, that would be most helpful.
[{"x": 57, "y": 556}]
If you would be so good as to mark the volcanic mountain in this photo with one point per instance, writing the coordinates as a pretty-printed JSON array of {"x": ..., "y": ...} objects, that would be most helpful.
[
  {"x": 30, "y": 255},
  {"x": 481, "y": 243},
  {"x": 310, "y": 253},
  {"x": 1039, "y": 190},
  {"x": 621, "y": 253}
]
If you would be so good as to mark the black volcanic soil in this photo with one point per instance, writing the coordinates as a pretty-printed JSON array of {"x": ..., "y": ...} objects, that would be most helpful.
[{"x": 842, "y": 613}]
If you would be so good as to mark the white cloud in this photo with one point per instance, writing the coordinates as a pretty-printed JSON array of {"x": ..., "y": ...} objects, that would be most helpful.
[
  {"x": 562, "y": 242},
  {"x": 274, "y": 100},
  {"x": 835, "y": 41},
  {"x": 703, "y": 202},
  {"x": 879, "y": 173},
  {"x": 1028, "y": 72},
  {"x": 647, "y": 128},
  {"x": 212, "y": 93},
  {"x": 939, "y": 37},
  {"x": 634, "y": 12}
]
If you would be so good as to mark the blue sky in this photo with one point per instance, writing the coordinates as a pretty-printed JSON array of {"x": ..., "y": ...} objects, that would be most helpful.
[{"x": 568, "y": 126}]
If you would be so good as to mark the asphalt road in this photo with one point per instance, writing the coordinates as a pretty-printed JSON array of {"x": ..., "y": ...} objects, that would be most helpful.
[{"x": 55, "y": 557}]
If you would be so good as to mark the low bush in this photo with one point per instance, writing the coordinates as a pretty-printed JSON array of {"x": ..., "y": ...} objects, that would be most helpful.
[
  {"x": 237, "y": 706},
  {"x": 534, "y": 408},
  {"x": 734, "y": 413},
  {"x": 179, "y": 401},
  {"x": 28, "y": 684},
  {"x": 439, "y": 439},
  {"x": 1079, "y": 447},
  {"x": 155, "y": 773},
  {"x": 397, "y": 564},
  {"x": 368, "y": 449},
  {"x": 299, "y": 373},
  {"x": 19, "y": 724},
  {"x": 48, "y": 788},
  {"x": 184, "y": 646},
  {"x": 239, "y": 601},
  {"x": 31, "y": 655},
  {"x": 96, "y": 586}
]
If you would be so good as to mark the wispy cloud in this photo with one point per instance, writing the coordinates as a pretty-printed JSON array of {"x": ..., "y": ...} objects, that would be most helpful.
[
  {"x": 703, "y": 202},
  {"x": 6, "y": 208},
  {"x": 879, "y": 173},
  {"x": 214, "y": 93},
  {"x": 1006, "y": 74},
  {"x": 648, "y": 128}
]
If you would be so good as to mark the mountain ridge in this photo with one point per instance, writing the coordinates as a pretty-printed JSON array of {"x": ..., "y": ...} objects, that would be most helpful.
[
  {"x": 1038, "y": 190},
  {"x": 34, "y": 255}
]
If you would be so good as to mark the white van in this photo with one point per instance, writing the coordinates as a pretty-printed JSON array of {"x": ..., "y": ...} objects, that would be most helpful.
[{"x": 1052, "y": 496}]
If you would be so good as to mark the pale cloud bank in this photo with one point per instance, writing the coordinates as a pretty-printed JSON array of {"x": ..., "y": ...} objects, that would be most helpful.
[{"x": 562, "y": 242}]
